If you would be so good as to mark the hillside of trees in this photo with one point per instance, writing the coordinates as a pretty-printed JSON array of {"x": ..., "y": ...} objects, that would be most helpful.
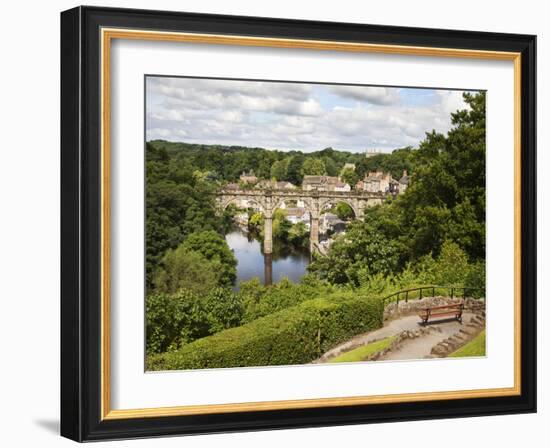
[{"x": 227, "y": 163}]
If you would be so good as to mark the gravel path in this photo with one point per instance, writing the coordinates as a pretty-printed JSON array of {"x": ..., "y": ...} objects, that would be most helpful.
[{"x": 411, "y": 349}]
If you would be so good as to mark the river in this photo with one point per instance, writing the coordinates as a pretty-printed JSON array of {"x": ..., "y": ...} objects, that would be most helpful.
[{"x": 284, "y": 262}]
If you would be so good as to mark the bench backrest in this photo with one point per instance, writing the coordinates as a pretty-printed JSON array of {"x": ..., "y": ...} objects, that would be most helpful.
[{"x": 453, "y": 306}]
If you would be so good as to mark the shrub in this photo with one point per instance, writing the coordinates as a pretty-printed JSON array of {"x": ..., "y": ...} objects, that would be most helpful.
[
  {"x": 296, "y": 335},
  {"x": 174, "y": 320},
  {"x": 184, "y": 269},
  {"x": 362, "y": 248},
  {"x": 259, "y": 300},
  {"x": 214, "y": 248},
  {"x": 451, "y": 267},
  {"x": 476, "y": 279}
]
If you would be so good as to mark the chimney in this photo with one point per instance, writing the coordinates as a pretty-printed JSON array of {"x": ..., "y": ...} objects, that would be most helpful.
[{"x": 404, "y": 173}]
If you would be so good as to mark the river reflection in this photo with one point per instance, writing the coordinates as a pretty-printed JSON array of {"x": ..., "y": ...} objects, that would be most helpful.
[{"x": 284, "y": 262}]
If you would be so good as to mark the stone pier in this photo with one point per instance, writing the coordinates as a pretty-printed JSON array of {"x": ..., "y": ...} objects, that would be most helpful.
[
  {"x": 268, "y": 233},
  {"x": 313, "y": 233}
]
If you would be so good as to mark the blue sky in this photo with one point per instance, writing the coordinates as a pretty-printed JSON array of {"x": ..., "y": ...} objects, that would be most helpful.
[{"x": 298, "y": 116}]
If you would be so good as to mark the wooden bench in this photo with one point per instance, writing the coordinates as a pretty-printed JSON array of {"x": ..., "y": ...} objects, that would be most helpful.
[{"x": 438, "y": 312}]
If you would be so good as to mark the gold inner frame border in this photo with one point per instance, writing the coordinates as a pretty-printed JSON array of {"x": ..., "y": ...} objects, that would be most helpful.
[{"x": 107, "y": 35}]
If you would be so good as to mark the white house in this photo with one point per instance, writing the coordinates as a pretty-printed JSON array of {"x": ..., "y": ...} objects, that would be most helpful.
[{"x": 342, "y": 186}]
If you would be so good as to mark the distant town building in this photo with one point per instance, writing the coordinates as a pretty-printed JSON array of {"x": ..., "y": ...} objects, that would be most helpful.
[
  {"x": 404, "y": 182},
  {"x": 248, "y": 178},
  {"x": 284, "y": 185},
  {"x": 265, "y": 184},
  {"x": 342, "y": 186},
  {"x": 394, "y": 186},
  {"x": 274, "y": 185},
  {"x": 232, "y": 186},
  {"x": 376, "y": 182},
  {"x": 297, "y": 214},
  {"x": 372, "y": 152},
  {"x": 330, "y": 221},
  {"x": 321, "y": 183}
]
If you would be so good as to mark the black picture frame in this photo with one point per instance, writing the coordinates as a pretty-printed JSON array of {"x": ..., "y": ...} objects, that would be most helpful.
[{"x": 81, "y": 224}]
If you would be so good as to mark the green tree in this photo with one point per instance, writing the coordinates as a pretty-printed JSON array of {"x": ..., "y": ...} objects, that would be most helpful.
[
  {"x": 349, "y": 176},
  {"x": 331, "y": 168},
  {"x": 176, "y": 319},
  {"x": 256, "y": 222},
  {"x": 281, "y": 226},
  {"x": 362, "y": 249},
  {"x": 452, "y": 266},
  {"x": 214, "y": 248},
  {"x": 313, "y": 166},
  {"x": 344, "y": 211},
  {"x": 294, "y": 170},
  {"x": 183, "y": 269},
  {"x": 278, "y": 169},
  {"x": 177, "y": 201},
  {"x": 298, "y": 235}
]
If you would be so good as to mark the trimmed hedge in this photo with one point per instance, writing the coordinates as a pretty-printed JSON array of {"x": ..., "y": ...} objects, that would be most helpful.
[{"x": 295, "y": 335}]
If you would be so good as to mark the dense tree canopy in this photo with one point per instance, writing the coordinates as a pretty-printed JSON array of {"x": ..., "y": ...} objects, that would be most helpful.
[
  {"x": 184, "y": 269},
  {"x": 313, "y": 166},
  {"x": 179, "y": 201},
  {"x": 444, "y": 202}
]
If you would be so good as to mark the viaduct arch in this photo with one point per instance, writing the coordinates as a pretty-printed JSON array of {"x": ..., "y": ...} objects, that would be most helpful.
[{"x": 315, "y": 201}]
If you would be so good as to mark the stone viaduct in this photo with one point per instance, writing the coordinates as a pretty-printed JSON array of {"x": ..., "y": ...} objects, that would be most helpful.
[{"x": 267, "y": 201}]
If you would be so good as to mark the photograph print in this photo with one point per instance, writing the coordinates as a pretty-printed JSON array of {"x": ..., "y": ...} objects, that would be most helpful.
[{"x": 304, "y": 223}]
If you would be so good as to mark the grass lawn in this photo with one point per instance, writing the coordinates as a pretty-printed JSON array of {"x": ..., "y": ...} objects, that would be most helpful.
[
  {"x": 476, "y": 347},
  {"x": 365, "y": 351}
]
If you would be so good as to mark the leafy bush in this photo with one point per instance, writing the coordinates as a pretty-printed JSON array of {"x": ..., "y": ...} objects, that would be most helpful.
[
  {"x": 213, "y": 247},
  {"x": 298, "y": 235},
  {"x": 259, "y": 300},
  {"x": 296, "y": 335},
  {"x": 363, "y": 249},
  {"x": 452, "y": 265},
  {"x": 343, "y": 210},
  {"x": 184, "y": 269},
  {"x": 476, "y": 279},
  {"x": 174, "y": 320}
]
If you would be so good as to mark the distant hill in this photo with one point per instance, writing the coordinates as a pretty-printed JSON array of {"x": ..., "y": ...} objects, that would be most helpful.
[{"x": 227, "y": 162}]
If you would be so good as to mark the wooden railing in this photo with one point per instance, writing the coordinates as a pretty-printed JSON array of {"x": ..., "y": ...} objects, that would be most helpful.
[{"x": 405, "y": 294}]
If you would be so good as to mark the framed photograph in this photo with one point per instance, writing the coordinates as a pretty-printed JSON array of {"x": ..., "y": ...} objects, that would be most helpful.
[{"x": 273, "y": 223}]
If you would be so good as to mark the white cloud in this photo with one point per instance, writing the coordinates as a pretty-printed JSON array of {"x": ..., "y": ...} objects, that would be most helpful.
[
  {"x": 374, "y": 95},
  {"x": 293, "y": 116}
]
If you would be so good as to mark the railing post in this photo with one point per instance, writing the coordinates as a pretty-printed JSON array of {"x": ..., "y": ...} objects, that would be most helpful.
[
  {"x": 420, "y": 293},
  {"x": 407, "y": 296},
  {"x": 433, "y": 292},
  {"x": 464, "y": 294},
  {"x": 452, "y": 293}
]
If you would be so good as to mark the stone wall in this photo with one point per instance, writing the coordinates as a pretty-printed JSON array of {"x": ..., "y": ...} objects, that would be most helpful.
[{"x": 392, "y": 310}]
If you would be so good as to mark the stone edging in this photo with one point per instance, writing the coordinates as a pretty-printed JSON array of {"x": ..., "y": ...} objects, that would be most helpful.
[{"x": 457, "y": 340}]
